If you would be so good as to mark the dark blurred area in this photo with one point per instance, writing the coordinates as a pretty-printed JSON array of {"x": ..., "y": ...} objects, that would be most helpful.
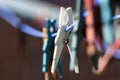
[{"x": 21, "y": 54}]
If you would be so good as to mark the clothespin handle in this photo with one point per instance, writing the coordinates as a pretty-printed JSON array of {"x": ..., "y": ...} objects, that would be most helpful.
[{"x": 50, "y": 26}]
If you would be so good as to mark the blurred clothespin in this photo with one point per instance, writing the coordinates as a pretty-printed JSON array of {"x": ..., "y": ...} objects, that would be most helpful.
[
  {"x": 48, "y": 47},
  {"x": 107, "y": 28},
  {"x": 90, "y": 33},
  {"x": 116, "y": 19},
  {"x": 95, "y": 56},
  {"x": 63, "y": 36},
  {"x": 77, "y": 33}
]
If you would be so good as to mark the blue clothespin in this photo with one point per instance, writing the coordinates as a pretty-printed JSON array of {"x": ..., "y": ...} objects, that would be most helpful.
[{"x": 48, "y": 47}]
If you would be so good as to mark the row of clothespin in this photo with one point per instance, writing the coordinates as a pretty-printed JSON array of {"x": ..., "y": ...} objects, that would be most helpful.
[
  {"x": 96, "y": 45},
  {"x": 53, "y": 46},
  {"x": 95, "y": 42},
  {"x": 70, "y": 33}
]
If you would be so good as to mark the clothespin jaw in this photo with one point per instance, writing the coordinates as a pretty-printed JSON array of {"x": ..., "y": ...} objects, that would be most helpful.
[{"x": 63, "y": 37}]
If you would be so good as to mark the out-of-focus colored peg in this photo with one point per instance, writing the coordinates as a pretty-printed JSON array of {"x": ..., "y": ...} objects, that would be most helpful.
[{"x": 107, "y": 27}]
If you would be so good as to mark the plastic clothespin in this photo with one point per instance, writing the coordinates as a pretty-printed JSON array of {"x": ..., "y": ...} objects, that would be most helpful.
[
  {"x": 107, "y": 28},
  {"x": 48, "y": 46},
  {"x": 94, "y": 54},
  {"x": 77, "y": 33},
  {"x": 117, "y": 22},
  {"x": 63, "y": 37},
  {"x": 90, "y": 33}
]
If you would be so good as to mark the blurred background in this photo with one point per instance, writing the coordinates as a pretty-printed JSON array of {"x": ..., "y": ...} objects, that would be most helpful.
[{"x": 21, "y": 54}]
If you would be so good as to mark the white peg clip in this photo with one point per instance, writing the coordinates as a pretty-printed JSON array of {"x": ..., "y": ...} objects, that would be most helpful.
[{"x": 63, "y": 37}]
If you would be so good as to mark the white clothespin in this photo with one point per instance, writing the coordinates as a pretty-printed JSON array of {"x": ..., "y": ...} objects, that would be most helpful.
[{"x": 63, "y": 37}]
